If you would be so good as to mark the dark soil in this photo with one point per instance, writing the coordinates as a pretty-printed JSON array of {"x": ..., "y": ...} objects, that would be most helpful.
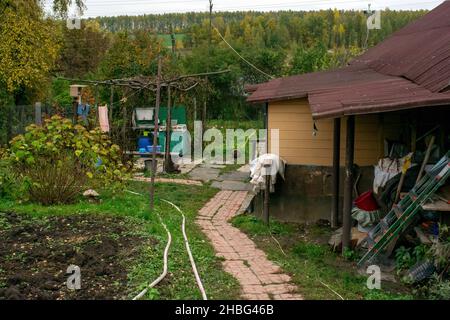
[{"x": 36, "y": 252}]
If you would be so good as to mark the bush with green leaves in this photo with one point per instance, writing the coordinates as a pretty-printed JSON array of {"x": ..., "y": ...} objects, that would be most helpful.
[
  {"x": 7, "y": 179},
  {"x": 405, "y": 258},
  {"x": 59, "y": 160}
]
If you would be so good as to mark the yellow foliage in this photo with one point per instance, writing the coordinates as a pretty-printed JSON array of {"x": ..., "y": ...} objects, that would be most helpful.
[{"x": 28, "y": 49}]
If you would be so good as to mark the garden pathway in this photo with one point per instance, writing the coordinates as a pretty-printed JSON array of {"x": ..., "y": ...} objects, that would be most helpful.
[
  {"x": 167, "y": 180},
  {"x": 260, "y": 278}
]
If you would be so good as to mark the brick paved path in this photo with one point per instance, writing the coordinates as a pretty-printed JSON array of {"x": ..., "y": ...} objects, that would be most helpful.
[{"x": 260, "y": 278}]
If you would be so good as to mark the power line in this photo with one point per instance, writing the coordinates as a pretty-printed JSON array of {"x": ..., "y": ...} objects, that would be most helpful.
[{"x": 240, "y": 56}]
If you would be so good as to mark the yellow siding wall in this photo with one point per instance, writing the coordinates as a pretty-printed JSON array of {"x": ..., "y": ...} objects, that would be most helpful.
[{"x": 299, "y": 146}]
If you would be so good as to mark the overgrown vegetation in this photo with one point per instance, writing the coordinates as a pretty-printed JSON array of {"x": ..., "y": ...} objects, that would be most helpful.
[
  {"x": 301, "y": 251},
  {"x": 438, "y": 254}
]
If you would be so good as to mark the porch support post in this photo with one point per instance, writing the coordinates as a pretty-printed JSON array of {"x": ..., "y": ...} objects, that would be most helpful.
[
  {"x": 336, "y": 172},
  {"x": 348, "y": 189}
]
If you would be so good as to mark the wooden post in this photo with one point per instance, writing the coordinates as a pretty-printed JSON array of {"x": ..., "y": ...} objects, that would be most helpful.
[
  {"x": 425, "y": 160},
  {"x": 155, "y": 136},
  {"x": 111, "y": 102},
  {"x": 195, "y": 109},
  {"x": 38, "y": 114},
  {"x": 124, "y": 125},
  {"x": 348, "y": 189},
  {"x": 267, "y": 167},
  {"x": 96, "y": 106},
  {"x": 204, "y": 116},
  {"x": 167, "y": 158},
  {"x": 75, "y": 110},
  {"x": 336, "y": 172}
]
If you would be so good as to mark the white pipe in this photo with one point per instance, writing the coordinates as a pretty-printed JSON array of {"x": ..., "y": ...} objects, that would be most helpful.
[{"x": 191, "y": 258}]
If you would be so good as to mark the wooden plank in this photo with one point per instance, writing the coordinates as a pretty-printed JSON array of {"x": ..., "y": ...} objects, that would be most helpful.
[{"x": 437, "y": 205}]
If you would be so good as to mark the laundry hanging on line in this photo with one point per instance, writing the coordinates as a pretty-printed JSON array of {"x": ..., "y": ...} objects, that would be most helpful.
[
  {"x": 103, "y": 118},
  {"x": 83, "y": 110}
]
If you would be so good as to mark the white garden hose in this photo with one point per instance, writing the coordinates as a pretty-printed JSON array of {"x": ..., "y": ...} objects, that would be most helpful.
[
  {"x": 191, "y": 258},
  {"x": 166, "y": 254}
]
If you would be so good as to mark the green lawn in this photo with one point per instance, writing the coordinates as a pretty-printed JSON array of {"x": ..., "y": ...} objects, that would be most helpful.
[
  {"x": 315, "y": 269},
  {"x": 180, "y": 283}
]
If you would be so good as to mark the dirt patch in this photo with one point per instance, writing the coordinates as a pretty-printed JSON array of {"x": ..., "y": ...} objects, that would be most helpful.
[{"x": 36, "y": 252}]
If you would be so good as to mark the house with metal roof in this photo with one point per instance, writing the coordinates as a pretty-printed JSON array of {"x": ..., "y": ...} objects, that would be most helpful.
[{"x": 396, "y": 93}]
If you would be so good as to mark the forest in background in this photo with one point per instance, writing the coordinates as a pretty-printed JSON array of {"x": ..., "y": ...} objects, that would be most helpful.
[{"x": 278, "y": 43}]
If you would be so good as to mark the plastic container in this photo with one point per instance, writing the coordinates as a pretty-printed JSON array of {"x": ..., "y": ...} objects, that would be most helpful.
[
  {"x": 144, "y": 143},
  {"x": 367, "y": 202}
]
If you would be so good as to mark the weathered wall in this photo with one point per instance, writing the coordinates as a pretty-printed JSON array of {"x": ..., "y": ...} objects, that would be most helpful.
[
  {"x": 305, "y": 195},
  {"x": 298, "y": 146}
]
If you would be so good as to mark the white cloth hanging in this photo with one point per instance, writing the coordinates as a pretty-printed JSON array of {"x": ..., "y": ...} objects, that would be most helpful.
[{"x": 258, "y": 173}]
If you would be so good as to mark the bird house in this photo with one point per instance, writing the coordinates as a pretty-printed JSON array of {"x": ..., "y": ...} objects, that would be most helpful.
[{"x": 75, "y": 90}]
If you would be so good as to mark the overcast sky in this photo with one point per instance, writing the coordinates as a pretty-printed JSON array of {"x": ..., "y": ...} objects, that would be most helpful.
[{"x": 138, "y": 7}]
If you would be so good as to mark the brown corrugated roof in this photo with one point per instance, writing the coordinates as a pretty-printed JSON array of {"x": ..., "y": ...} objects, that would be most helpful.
[{"x": 409, "y": 69}]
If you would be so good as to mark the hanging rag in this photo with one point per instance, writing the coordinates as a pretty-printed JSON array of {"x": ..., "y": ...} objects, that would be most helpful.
[
  {"x": 83, "y": 111},
  {"x": 387, "y": 169},
  {"x": 103, "y": 118},
  {"x": 366, "y": 219},
  {"x": 257, "y": 171}
]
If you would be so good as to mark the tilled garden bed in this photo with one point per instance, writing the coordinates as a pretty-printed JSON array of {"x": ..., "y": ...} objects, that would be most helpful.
[{"x": 35, "y": 253}]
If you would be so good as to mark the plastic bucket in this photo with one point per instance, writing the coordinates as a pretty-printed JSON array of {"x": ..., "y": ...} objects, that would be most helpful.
[
  {"x": 367, "y": 202},
  {"x": 144, "y": 143}
]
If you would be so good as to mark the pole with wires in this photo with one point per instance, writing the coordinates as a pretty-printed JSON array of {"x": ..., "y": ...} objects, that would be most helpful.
[
  {"x": 211, "y": 5},
  {"x": 155, "y": 135},
  {"x": 168, "y": 165}
]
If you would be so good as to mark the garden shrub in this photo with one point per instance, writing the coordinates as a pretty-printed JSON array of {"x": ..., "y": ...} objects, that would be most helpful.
[
  {"x": 7, "y": 179},
  {"x": 59, "y": 160}
]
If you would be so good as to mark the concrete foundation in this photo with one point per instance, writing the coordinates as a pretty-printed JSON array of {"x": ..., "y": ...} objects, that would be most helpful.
[{"x": 305, "y": 195}]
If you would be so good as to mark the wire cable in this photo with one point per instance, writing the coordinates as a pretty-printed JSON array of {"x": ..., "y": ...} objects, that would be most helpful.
[{"x": 240, "y": 56}]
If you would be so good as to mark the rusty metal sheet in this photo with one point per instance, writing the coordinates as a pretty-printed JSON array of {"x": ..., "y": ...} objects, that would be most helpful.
[{"x": 409, "y": 69}]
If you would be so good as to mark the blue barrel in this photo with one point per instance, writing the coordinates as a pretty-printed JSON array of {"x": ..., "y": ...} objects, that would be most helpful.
[{"x": 144, "y": 143}]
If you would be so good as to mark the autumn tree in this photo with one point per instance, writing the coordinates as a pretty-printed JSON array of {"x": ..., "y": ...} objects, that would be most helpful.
[{"x": 83, "y": 50}]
